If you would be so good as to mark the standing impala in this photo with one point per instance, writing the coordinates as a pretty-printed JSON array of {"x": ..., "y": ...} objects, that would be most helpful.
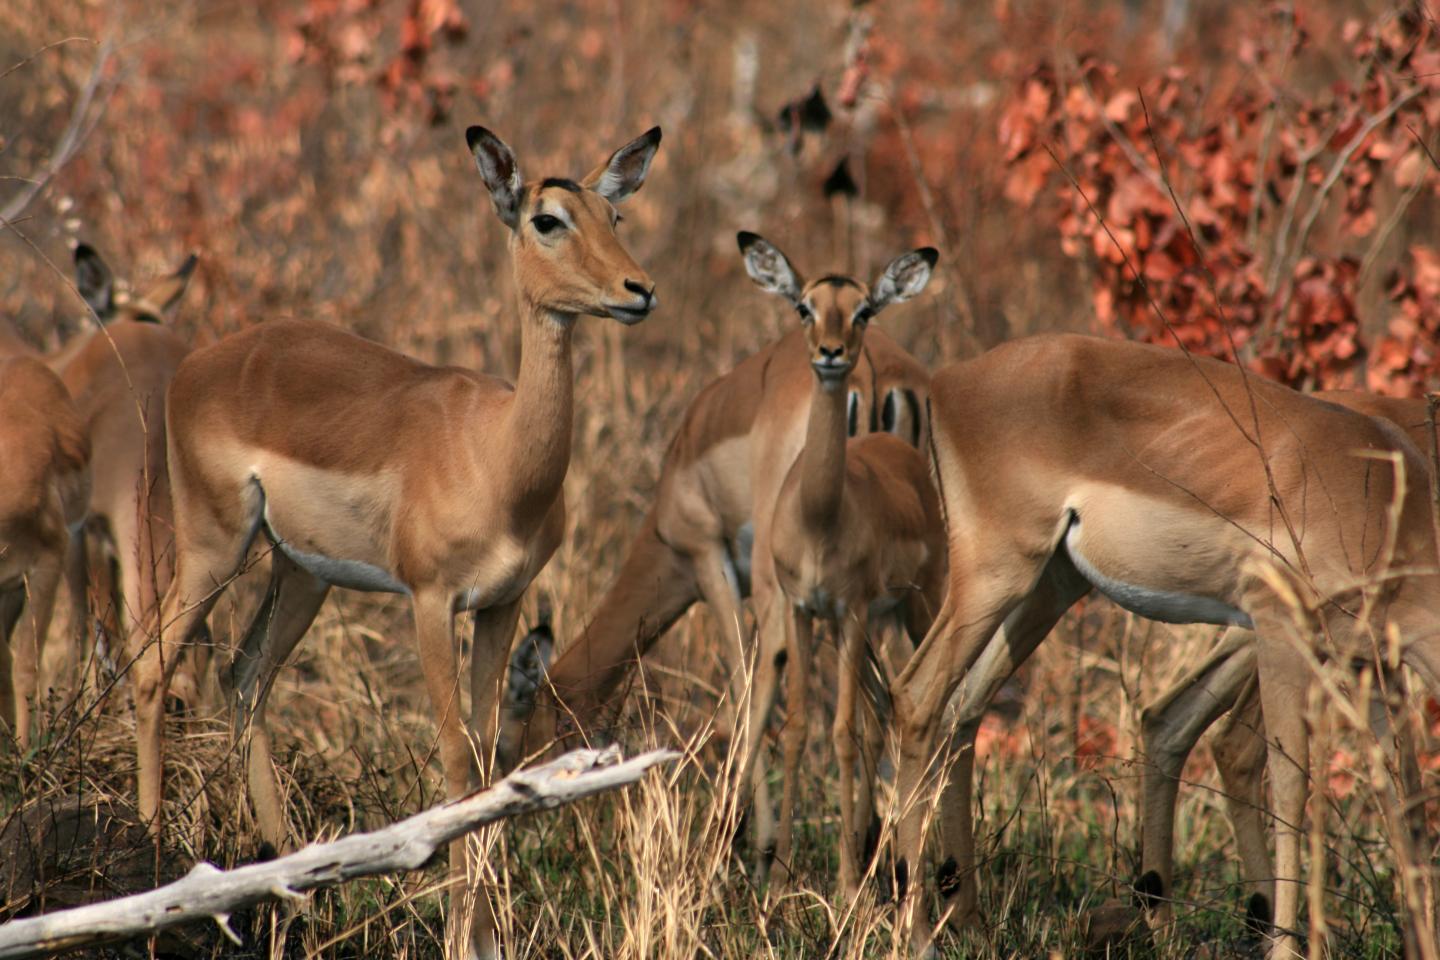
[
  {"x": 1226, "y": 682},
  {"x": 1187, "y": 491},
  {"x": 856, "y": 534},
  {"x": 44, "y": 487},
  {"x": 118, "y": 377},
  {"x": 372, "y": 471}
]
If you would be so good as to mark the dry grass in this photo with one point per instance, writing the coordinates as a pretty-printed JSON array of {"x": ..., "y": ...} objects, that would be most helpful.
[{"x": 655, "y": 871}]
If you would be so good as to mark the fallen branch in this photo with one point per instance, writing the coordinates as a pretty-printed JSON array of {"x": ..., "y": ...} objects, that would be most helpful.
[{"x": 208, "y": 893}]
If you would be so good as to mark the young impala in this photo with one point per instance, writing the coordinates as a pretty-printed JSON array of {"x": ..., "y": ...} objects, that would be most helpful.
[
  {"x": 856, "y": 534},
  {"x": 44, "y": 488},
  {"x": 372, "y": 471},
  {"x": 1185, "y": 490},
  {"x": 721, "y": 472}
]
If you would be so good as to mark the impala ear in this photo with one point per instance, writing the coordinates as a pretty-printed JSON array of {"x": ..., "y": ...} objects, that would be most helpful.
[
  {"x": 768, "y": 267},
  {"x": 167, "y": 293},
  {"x": 499, "y": 171},
  {"x": 904, "y": 278},
  {"x": 625, "y": 171},
  {"x": 94, "y": 281}
]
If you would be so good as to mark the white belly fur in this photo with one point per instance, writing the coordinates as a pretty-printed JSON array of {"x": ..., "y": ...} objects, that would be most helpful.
[{"x": 1165, "y": 606}]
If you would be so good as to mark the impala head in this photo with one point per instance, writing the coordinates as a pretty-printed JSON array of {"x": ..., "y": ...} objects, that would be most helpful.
[
  {"x": 567, "y": 257},
  {"x": 835, "y": 309},
  {"x": 152, "y": 305}
]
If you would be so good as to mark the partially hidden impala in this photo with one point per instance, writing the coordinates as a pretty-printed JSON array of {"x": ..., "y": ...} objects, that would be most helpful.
[{"x": 1187, "y": 491}]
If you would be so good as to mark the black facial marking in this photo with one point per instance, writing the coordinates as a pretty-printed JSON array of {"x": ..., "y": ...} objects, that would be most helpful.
[
  {"x": 840, "y": 181},
  {"x": 564, "y": 183},
  {"x": 836, "y": 280},
  {"x": 947, "y": 878},
  {"x": 1149, "y": 890}
]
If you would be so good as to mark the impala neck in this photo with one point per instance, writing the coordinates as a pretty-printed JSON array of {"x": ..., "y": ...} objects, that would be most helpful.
[
  {"x": 822, "y": 462},
  {"x": 537, "y": 431}
]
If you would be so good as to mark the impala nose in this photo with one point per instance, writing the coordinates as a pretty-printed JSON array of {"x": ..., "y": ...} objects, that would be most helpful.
[
  {"x": 831, "y": 363},
  {"x": 646, "y": 294}
]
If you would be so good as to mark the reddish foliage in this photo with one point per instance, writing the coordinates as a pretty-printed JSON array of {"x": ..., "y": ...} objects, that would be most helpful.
[{"x": 1228, "y": 224}]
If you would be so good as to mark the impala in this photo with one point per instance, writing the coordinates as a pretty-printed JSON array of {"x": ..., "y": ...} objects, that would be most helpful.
[
  {"x": 43, "y": 493},
  {"x": 856, "y": 534},
  {"x": 369, "y": 470},
  {"x": 118, "y": 377},
  {"x": 721, "y": 473},
  {"x": 1225, "y": 682},
  {"x": 1187, "y": 491}
]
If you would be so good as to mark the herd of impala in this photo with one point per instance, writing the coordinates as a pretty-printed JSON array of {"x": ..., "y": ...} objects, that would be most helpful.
[{"x": 940, "y": 527}]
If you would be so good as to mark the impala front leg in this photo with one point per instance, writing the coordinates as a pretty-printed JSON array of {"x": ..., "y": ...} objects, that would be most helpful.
[
  {"x": 469, "y": 930},
  {"x": 489, "y": 657},
  {"x": 799, "y": 645},
  {"x": 847, "y": 726}
]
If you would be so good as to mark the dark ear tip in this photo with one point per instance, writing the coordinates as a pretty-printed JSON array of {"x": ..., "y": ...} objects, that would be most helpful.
[
  {"x": 188, "y": 266},
  {"x": 474, "y": 136},
  {"x": 83, "y": 251},
  {"x": 930, "y": 255},
  {"x": 745, "y": 239},
  {"x": 653, "y": 134}
]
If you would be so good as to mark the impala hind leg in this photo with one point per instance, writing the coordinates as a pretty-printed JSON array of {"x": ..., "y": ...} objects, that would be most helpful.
[
  {"x": 982, "y": 594},
  {"x": 1170, "y": 727},
  {"x": 1022, "y": 631},
  {"x": 291, "y": 601},
  {"x": 723, "y": 598},
  {"x": 1240, "y": 757},
  {"x": 1284, "y": 685},
  {"x": 209, "y": 551}
]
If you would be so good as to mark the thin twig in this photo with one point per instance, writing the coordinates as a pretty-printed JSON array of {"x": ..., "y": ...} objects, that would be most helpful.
[
  {"x": 45, "y": 49},
  {"x": 76, "y": 129}
]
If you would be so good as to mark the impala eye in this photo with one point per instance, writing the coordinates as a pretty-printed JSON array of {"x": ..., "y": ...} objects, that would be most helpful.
[
  {"x": 545, "y": 223},
  {"x": 806, "y": 314},
  {"x": 862, "y": 316}
]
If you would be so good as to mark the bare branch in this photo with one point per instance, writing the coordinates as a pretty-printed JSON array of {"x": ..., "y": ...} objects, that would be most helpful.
[
  {"x": 208, "y": 893},
  {"x": 76, "y": 129},
  {"x": 48, "y": 47}
]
